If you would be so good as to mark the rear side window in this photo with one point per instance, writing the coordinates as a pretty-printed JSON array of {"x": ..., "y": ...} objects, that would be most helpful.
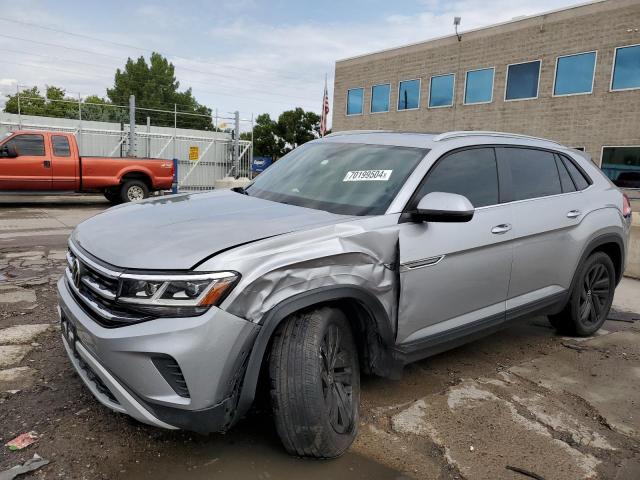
[
  {"x": 472, "y": 173},
  {"x": 61, "y": 146},
  {"x": 565, "y": 178},
  {"x": 28, "y": 145},
  {"x": 577, "y": 176},
  {"x": 533, "y": 173}
]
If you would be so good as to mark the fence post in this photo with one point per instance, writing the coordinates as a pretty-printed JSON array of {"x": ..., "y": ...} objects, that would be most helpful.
[
  {"x": 148, "y": 137},
  {"x": 132, "y": 126},
  {"x": 236, "y": 145},
  {"x": 19, "y": 108},
  {"x": 80, "y": 123},
  {"x": 174, "y": 185},
  {"x": 175, "y": 129}
]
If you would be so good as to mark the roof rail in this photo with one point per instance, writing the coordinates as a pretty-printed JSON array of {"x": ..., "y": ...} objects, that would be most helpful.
[
  {"x": 477, "y": 133},
  {"x": 365, "y": 132}
]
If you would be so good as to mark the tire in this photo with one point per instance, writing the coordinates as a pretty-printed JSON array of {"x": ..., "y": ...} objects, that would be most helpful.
[
  {"x": 315, "y": 406},
  {"x": 590, "y": 299},
  {"x": 133, "y": 190},
  {"x": 113, "y": 196}
]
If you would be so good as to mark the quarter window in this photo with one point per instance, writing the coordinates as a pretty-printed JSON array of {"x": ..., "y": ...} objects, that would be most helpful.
[
  {"x": 380, "y": 98},
  {"x": 578, "y": 177},
  {"x": 533, "y": 173},
  {"x": 626, "y": 68},
  {"x": 472, "y": 173},
  {"x": 409, "y": 94},
  {"x": 61, "y": 146},
  {"x": 622, "y": 165},
  {"x": 355, "y": 97},
  {"x": 441, "y": 91},
  {"x": 478, "y": 87},
  {"x": 28, "y": 145},
  {"x": 574, "y": 74},
  {"x": 565, "y": 178},
  {"x": 522, "y": 81}
]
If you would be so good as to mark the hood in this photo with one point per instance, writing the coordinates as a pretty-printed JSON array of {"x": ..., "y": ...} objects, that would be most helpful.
[{"x": 178, "y": 232}]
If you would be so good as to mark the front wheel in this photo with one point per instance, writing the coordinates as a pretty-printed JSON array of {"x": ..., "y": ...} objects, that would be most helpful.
[
  {"x": 315, "y": 383},
  {"x": 590, "y": 299}
]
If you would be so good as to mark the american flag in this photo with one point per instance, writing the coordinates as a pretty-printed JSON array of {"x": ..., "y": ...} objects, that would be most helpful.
[{"x": 325, "y": 110}]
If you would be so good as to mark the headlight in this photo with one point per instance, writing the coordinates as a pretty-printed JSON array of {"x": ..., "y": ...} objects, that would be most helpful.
[{"x": 175, "y": 295}]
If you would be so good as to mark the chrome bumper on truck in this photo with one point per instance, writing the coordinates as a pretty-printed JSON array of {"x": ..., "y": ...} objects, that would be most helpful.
[{"x": 168, "y": 372}]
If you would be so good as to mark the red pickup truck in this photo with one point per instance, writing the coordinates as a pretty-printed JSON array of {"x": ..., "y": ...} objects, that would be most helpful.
[{"x": 50, "y": 161}]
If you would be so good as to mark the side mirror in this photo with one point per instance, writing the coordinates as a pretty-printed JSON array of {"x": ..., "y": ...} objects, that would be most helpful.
[
  {"x": 443, "y": 207},
  {"x": 8, "y": 151}
]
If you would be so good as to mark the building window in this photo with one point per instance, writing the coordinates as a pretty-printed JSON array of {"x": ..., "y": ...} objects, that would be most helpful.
[
  {"x": 478, "y": 87},
  {"x": 622, "y": 165},
  {"x": 574, "y": 74},
  {"x": 380, "y": 98},
  {"x": 626, "y": 68},
  {"x": 441, "y": 90},
  {"x": 409, "y": 95},
  {"x": 522, "y": 81},
  {"x": 355, "y": 97}
]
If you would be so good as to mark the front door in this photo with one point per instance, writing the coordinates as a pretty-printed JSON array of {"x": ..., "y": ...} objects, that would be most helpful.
[
  {"x": 453, "y": 275},
  {"x": 31, "y": 169}
]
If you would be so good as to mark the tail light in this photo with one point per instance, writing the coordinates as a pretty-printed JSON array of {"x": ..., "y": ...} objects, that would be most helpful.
[{"x": 626, "y": 206}]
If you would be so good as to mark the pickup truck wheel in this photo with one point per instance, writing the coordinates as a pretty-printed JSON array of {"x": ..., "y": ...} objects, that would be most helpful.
[
  {"x": 590, "y": 299},
  {"x": 315, "y": 383},
  {"x": 133, "y": 190},
  {"x": 112, "y": 195}
]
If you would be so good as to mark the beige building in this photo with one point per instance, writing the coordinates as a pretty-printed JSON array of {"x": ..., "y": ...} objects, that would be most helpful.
[{"x": 571, "y": 75}]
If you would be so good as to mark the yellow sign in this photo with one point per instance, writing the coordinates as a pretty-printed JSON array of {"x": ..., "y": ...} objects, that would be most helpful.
[{"x": 194, "y": 153}]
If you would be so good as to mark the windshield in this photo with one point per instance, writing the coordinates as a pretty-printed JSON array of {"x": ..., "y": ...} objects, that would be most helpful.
[{"x": 343, "y": 178}]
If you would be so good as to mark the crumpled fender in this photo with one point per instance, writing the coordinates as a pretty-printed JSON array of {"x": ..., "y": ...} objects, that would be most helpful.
[{"x": 354, "y": 253}]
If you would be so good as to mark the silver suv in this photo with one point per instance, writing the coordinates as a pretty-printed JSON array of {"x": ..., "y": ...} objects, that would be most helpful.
[{"x": 359, "y": 252}]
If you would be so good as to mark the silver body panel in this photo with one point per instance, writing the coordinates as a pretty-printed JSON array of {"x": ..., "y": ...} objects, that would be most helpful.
[{"x": 430, "y": 278}]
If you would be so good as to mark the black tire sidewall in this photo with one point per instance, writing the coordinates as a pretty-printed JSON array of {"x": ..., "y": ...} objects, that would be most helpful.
[{"x": 597, "y": 258}]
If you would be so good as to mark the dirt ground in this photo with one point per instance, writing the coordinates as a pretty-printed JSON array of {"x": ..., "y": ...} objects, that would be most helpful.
[{"x": 521, "y": 402}]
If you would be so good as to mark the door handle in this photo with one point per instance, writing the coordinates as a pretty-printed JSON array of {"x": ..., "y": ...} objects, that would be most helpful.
[
  {"x": 574, "y": 213},
  {"x": 47, "y": 163},
  {"x": 502, "y": 228}
]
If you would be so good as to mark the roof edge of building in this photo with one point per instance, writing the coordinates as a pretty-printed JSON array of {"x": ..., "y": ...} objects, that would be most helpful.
[{"x": 453, "y": 37}]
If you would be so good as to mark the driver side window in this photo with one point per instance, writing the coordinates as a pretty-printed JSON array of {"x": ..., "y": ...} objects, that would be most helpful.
[
  {"x": 28, "y": 145},
  {"x": 472, "y": 173}
]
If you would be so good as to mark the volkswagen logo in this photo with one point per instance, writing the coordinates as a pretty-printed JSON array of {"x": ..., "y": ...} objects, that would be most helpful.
[{"x": 75, "y": 273}]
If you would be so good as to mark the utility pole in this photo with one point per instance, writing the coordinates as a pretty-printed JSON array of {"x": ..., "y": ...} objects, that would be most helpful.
[
  {"x": 132, "y": 126},
  {"x": 236, "y": 145},
  {"x": 175, "y": 129}
]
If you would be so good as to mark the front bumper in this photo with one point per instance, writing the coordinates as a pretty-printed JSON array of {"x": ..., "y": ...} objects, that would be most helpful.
[{"x": 119, "y": 364}]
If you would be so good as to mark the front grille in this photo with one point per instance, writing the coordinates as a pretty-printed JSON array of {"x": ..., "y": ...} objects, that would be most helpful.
[{"x": 96, "y": 289}]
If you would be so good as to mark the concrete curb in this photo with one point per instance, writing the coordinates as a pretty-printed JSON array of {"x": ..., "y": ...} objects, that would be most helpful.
[{"x": 633, "y": 255}]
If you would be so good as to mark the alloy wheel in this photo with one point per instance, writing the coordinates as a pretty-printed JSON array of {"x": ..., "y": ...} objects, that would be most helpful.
[
  {"x": 135, "y": 193},
  {"x": 594, "y": 295},
  {"x": 337, "y": 377}
]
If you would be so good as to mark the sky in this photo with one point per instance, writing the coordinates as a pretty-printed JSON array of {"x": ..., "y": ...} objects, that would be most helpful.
[{"x": 248, "y": 55}]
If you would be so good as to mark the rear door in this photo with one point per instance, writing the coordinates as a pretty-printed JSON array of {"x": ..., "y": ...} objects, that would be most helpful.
[
  {"x": 547, "y": 207},
  {"x": 455, "y": 276},
  {"x": 31, "y": 169},
  {"x": 65, "y": 163}
]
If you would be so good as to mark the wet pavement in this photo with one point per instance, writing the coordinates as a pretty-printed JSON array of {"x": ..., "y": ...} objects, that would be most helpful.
[{"x": 521, "y": 400}]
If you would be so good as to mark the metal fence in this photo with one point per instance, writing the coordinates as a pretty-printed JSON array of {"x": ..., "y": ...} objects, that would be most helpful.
[{"x": 204, "y": 156}]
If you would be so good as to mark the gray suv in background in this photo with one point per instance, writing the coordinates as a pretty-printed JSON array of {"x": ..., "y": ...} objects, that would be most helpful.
[{"x": 356, "y": 253}]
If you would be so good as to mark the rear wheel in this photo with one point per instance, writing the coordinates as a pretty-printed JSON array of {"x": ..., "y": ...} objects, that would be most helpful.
[
  {"x": 590, "y": 299},
  {"x": 315, "y": 383},
  {"x": 133, "y": 190}
]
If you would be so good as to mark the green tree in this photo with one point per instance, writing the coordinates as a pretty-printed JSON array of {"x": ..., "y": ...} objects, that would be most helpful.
[
  {"x": 155, "y": 86},
  {"x": 275, "y": 138},
  {"x": 296, "y": 127}
]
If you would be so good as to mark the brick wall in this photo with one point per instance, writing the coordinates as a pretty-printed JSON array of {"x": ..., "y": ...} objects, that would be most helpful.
[{"x": 594, "y": 120}]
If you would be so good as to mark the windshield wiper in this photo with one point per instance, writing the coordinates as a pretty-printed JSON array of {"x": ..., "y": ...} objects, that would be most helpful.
[{"x": 240, "y": 190}]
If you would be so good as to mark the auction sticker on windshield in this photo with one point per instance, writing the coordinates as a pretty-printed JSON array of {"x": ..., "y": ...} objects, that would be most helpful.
[{"x": 367, "y": 175}]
